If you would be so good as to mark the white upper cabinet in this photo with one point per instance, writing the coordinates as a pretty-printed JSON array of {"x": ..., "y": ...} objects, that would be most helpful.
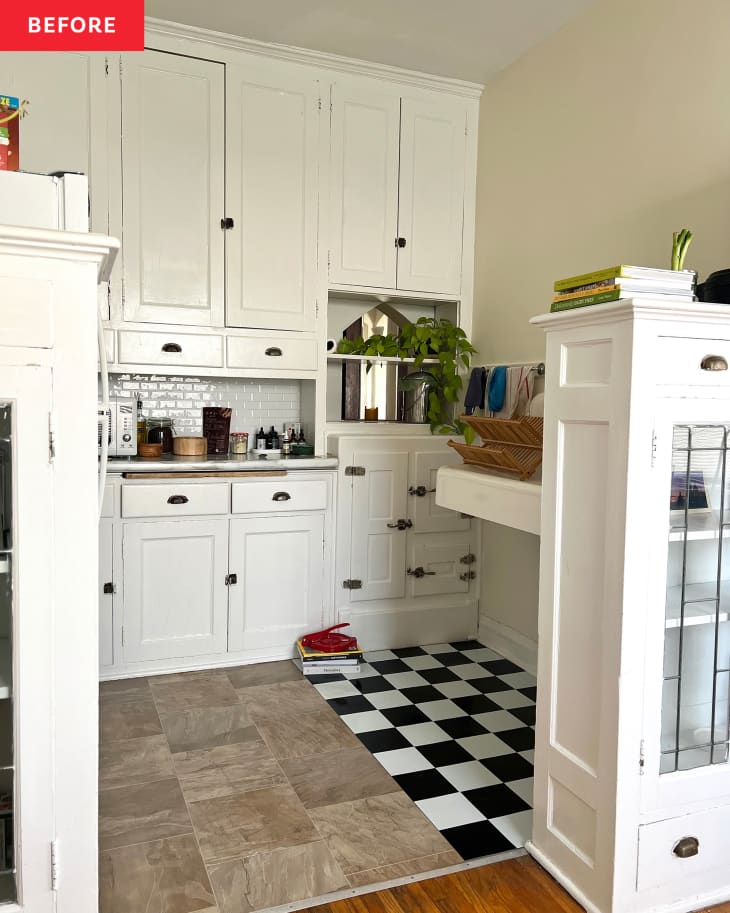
[
  {"x": 431, "y": 197},
  {"x": 364, "y": 187},
  {"x": 272, "y": 146},
  {"x": 173, "y": 189},
  {"x": 397, "y": 178}
]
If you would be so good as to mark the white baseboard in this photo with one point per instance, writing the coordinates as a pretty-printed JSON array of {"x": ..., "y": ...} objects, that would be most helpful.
[
  {"x": 411, "y": 627},
  {"x": 508, "y": 643}
]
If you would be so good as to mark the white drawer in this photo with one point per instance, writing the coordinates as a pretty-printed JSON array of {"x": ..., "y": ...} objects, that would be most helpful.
[
  {"x": 170, "y": 349},
  {"x": 279, "y": 496},
  {"x": 680, "y": 361},
  {"x": 170, "y": 499},
  {"x": 659, "y": 865},
  {"x": 272, "y": 353}
]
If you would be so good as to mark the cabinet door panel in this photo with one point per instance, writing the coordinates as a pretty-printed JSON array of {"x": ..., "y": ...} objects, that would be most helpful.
[
  {"x": 173, "y": 176},
  {"x": 426, "y": 514},
  {"x": 431, "y": 201},
  {"x": 175, "y": 596},
  {"x": 364, "y": 187},
  {"x": 441, "y": 559},
  {"x": 378, "y": 498},
  {"x": 106, "y": 600},
  {"x": 272, "y": 137},
  {"x": 280, "y": 568}
]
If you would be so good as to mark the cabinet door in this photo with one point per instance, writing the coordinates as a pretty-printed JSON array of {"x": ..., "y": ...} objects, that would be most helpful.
[
  {"x": 446, "y": 563},
  {"x": 280, "y": 568},
  {"x": 364, "y": 187},
  {"x": 173, "y": 180},
  {"x": 426, "y": 514},
  {"x": 431, "y": 200},
  {"x": 175, "y": 594},
  {"x": 272, "y": 143},
  {"x": 106, "y": 597},
  {"x": 378, "y": 550}
]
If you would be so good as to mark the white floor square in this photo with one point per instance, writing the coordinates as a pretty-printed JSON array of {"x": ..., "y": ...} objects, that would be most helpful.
[
  {"x": 470, "y": 670},
  {"x": 366, "y": 671},
  {"x": 367, "y": 721},
  {"x": 403, "y": 761},
  {"x": 384, "y": 700},
  {"x": 516, "y": 828},
  {"x": 421, "y": 662},
  {"x": 380, "y": 656},
  {"x": 441, "y": 710},
  {"x": 523, "y": 788},
  {"x": 498, "y": 720},
  {"x": 440, "y": 648},
  {"x": 329, "y": 690},
  {"x": 424, "y": 733},
  {"x": 519, "y": 680},
  {"x": 509, "y": 699},
  {"x": 456, "y": 689},
  {"x": 450, "y": 811},
  {"x": 405, "y": 679},
  {"x": 528, "y": 755},
  {"x": 469, "y": 775},
  {"x": 485, "y": 746},
  {"x": 482, "y": 655}
]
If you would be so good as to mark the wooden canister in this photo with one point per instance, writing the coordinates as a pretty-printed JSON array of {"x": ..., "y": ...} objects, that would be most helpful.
[{"x": 190, "y": 446}]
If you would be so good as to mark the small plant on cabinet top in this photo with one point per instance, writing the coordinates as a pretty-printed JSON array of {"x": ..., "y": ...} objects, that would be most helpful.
[
  {"x": 681, "y": 240},
  {"x": 430, "y": 338}
]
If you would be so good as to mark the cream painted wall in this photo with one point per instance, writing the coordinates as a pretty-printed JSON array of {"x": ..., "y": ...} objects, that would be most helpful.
[{"x": 593, "y": 148}]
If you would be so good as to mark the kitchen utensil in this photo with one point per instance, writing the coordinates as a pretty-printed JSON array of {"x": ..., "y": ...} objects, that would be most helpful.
[
  {"x": 190, "y": 446},
  {"x": 150, "y": 450}
]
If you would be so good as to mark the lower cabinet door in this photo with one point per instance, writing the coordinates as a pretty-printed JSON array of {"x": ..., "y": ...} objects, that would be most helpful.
[
  {"x": 106, "y": 591},
  {"x": 175, "y": 593},
  {"x": 278, "y": 596},
  {"x": 441, "y": 564},
  {"x": 426, "y": 514}
]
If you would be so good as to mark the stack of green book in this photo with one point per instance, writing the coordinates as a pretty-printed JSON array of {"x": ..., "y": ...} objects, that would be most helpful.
[{"x": 622, "y": 282}]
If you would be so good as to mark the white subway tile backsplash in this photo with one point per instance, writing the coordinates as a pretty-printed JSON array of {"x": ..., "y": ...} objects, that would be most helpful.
[{"x": 254, "y": 403}]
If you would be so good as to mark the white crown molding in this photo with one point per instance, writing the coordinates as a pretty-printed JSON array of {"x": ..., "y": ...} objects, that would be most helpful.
[
  {"x": 659, "y": 308},
  {"x": 60, "y": 245},
  {"x": 156, "y": 28}
]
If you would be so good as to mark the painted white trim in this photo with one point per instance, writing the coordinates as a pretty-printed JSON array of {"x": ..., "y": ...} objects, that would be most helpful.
[
  {"x": 67, "y": 245},
  {"x": 508, "y": 643},
  {"x": 162, "y": 28},
  {"x": 660, "y": 308}
]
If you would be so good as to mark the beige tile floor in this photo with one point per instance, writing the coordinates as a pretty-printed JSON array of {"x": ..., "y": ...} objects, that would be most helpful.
[{"x": 233, "y": 791}]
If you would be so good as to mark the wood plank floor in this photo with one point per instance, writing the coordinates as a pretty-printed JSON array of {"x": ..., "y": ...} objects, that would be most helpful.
[{"x": 516, "y": 886}]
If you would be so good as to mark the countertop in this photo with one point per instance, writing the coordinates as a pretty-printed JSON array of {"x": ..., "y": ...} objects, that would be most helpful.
[{"x": 171, "y": 463}]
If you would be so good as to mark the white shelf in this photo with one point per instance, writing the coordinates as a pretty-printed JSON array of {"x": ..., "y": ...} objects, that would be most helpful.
[
  {"x": 695, "y": 614},
  {"x": 380, "y": 359},
  {"x": 6, "y": 667},
  {"x": 701, "y": 526}
]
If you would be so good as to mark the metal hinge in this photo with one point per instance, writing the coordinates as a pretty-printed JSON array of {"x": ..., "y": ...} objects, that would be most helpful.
[
  {"x": 468, "y": 575},
  {"x": 109, "y": 589},
  {"x": 231, "y": 579},
  {"x": 653, "y": 448},
  {"x": 641, "y": 758},
  {"x": 316, "y": 308},
  {"x": 120, "y": 67},
  {"x": 51, "y": 437},
  {"x": 354, "y": 470},
  {"x": 468, "y": 559},
  {"x": 319, "y": 104},
  {"x": 329, "y": 261},
  {"x": 106, "y": 66},
  {"x": 352, "y": 584},
  {"x": 54, "y": 865}
]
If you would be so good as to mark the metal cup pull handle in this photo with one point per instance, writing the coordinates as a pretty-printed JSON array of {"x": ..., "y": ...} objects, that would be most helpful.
[
  {"x": 421, "y": 491},
  {"x": 714, "y": 363},
  {"x": 274, "y": 351},
  {"x": 281, "y": 496},
  {"x": 178, "y": 499},
  {"x": 419, "y": 572},
  {"x": 400, "y": 524},
  {"x": 172, "y": 347},
  {"x": 686, "y": 847}
]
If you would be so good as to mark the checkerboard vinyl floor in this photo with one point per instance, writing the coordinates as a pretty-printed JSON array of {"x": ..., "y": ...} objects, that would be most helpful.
[{"x": 454, "y": 725}]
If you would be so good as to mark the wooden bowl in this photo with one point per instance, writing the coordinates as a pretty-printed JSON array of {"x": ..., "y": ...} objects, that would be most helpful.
[
  {"x": 190, "y": 446},
  {"x": 149, "y": 450}
]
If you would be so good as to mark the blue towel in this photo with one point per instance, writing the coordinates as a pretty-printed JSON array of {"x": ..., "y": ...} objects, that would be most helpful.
[
  {"x": 497, "y": 389},
  {"x": 474, "y": 398}
]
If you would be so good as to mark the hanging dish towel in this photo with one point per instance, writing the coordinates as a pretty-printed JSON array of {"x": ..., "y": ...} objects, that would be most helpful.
[
  {"x": 475, "y": 390},
  {"x": 497, "y": 388}
]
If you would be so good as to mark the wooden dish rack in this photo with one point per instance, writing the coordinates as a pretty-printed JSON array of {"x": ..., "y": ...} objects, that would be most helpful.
[{"x": 511, "y": 445}]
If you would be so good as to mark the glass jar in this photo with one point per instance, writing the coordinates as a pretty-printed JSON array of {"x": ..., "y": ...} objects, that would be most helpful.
[
  {"x": 161, "y": 432},
  {"x": 238, "y": 442}
]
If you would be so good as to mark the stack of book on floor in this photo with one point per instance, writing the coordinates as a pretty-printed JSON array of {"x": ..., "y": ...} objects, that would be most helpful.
[
  {"x": 622, "y": 282},
  {"x": 314, "y": 662}
]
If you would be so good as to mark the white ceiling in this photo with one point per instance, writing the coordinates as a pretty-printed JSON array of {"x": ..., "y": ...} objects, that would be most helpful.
[{"x": 466, "y": 39}]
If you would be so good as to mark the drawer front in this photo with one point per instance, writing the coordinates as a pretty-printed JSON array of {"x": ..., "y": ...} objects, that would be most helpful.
[
  {"x": 272, "y": 353},
  {"x": 170, "y": 349},
  {"x": 175, "y": 500},
  {"x": 279, "y": 496},
  {"x": 659, "y": 864},
  {"x": 681, "y": 361}
]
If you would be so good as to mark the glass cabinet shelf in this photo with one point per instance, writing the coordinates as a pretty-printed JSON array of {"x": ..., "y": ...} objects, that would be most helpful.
[{"x": 699, "y": 607}]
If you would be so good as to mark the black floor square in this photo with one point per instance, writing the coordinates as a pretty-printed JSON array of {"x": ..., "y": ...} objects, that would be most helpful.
[
  {"x": 438, "y": 676},
  {"x": 509, "y": 767},
  {"x": 479, "y": 839},
  {"x": 453, "y": 659},
  {"x": 467, "y": 645},
  {"x": 424, "y": 784},
  {"x": 391, "y": 666},
  {"x": 354, "y": 704},
  {"x": 405, "y": 716},
  {"x": 461, "y": 727},
  {"x": 526, "y": 714},
  {"x": 489, "y": 684},
  {"x": 409, "y": 651},
  {"x": 443, "y": 754},
  {"x": 383, "y": 740},
  {"x": 496, "y": 801},
  {"x": 422, "y": 694},
  {"x": 476, "y": 703},
  {"x": 522, "y": 739},
  {"x": 371, "y": 684},
  {"x": 501, "y": 667},
  {"x": 529, "y": 692},
  {"x": 324, "y": 679}
]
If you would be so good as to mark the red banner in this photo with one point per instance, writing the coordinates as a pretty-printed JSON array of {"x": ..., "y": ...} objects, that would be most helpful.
[{"x": 72, "y": 25}]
